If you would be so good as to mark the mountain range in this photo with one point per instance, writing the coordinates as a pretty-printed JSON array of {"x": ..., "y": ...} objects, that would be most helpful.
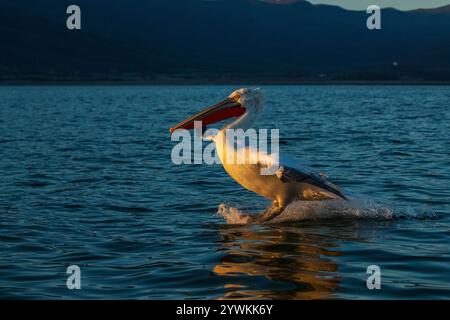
[{"x": 219, "y": 41}]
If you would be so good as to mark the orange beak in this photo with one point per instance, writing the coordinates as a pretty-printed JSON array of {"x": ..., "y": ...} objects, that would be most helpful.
[{"x": 228, "y": 108}]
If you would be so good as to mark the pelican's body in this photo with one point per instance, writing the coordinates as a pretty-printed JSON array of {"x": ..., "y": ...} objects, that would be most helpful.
[
  {"x": 249, "y": 175},
  {"x": 290, "y": 180},
  {"x": 271, "y": 187}
]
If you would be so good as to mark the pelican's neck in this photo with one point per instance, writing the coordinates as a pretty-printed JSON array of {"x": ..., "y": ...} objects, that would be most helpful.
[
  {"x": 223, "y": 145},
  {"x": 244, "y": 122}
]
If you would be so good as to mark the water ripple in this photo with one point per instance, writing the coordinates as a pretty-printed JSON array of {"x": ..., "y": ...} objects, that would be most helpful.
[{"x": 86, "y": 179}]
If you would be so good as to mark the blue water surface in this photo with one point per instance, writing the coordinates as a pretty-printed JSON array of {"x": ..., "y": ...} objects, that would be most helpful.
[{"x": 86, "y": 179}]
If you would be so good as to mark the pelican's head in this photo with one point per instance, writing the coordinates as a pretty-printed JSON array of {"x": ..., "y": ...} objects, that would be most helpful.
[
  {"x": 249, "y": 98},
  {"x": 243, "y": 103}
]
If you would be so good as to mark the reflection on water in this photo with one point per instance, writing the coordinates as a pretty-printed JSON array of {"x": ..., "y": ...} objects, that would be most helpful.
[
  {"x": 86, "y": 178},
  {"x": 297, "y": 257}
]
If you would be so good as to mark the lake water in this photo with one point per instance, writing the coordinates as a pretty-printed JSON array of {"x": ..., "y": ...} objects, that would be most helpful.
[{"x": 86, "y": 179}]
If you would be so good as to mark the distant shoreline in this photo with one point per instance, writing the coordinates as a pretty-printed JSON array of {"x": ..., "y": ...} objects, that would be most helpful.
[{"x": 210, "y": 82}]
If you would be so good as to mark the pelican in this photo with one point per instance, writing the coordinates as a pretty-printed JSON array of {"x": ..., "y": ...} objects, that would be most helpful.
[{"x": 291, "y": 181}]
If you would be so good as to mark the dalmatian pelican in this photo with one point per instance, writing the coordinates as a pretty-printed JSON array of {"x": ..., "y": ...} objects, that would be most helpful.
[{"x": 290, "y": 181}]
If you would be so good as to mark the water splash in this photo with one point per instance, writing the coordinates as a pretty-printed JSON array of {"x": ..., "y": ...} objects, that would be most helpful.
[
  {"x": 233, "y": 215},
  {"x": 360, "y": 207}
]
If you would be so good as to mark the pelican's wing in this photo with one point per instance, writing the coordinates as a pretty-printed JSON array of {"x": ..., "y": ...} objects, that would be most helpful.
[
  {"x": 290, "y": 170},
  {"x": 288, "y": 174}
]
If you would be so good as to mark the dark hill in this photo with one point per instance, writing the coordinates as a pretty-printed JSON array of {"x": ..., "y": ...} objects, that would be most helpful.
[{"x": 223, "y": 39}]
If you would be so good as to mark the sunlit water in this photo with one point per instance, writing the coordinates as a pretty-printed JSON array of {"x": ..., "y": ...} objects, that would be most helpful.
[{"x": 86, "y": 179}]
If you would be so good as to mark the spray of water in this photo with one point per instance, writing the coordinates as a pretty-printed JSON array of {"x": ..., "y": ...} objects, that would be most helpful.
[{"x": 357, "y": 207}]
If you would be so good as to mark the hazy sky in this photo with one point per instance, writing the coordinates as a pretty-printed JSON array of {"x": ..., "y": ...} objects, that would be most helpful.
[{"x": 399, "y": 4}]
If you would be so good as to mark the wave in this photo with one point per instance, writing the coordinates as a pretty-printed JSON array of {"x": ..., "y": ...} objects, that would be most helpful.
[{"x": 359, "y": 207}]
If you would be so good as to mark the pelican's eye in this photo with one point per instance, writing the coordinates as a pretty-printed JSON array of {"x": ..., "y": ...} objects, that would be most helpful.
[{"x": 235, "y": 97}]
